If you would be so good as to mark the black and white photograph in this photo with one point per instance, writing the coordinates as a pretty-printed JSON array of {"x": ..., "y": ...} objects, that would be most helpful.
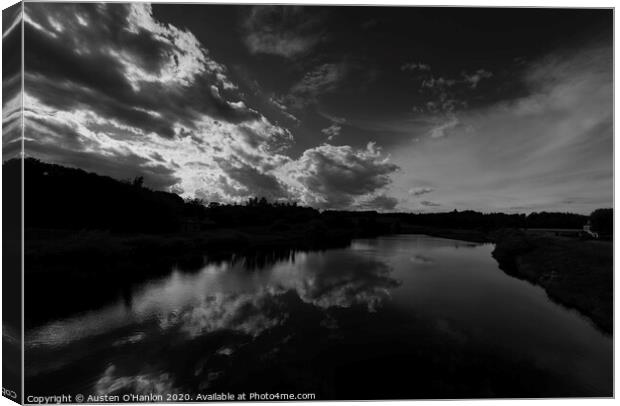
[{"x": 253, "y": 202}]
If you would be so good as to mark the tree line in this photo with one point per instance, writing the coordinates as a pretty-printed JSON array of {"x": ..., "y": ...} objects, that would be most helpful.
[{"x": 57, "y": 197}]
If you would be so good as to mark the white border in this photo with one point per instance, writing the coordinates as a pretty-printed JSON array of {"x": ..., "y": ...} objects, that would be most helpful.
[{"x": 480, "y": 3}]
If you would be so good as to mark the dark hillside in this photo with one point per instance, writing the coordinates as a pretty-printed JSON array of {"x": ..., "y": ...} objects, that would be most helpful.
[{"x": 57, "y": 197}]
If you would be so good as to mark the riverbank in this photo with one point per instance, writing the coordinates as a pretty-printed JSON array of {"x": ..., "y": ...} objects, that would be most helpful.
[
  {"x": 451, "y": 233},
  {"x": 575, "y": 273},
  {"x": 99, "y": 253},
  {"x": 90, "y": 252}
]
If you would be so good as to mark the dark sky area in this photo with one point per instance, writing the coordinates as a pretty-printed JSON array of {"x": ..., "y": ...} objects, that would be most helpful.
[{"x": 386, "y": 108}]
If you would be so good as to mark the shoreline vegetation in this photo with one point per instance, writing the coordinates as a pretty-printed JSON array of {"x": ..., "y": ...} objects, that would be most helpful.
[
  {"x": 81, "y": 227},
  {"x": 577, "y": 274}
]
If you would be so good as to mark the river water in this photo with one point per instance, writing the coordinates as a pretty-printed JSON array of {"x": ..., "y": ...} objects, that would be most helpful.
[{"x": 406, "y": 316}]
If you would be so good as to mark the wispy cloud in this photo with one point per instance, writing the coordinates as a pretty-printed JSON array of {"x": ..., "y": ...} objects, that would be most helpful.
[
  {"x": 445, "y": 126},
  {"x": 548, "y": 150},
  {"x": 381, "y": 202},
  {"x": 283, "y": 31},
  {"x": 419, "y": 191},
  {"x": 446, "y": 96},
  {"x": 415, "y": 66},
  {"x": 318, "y": 81},
  {"x": 474, "y": 78},
  {"x": 334, "y": 129}
]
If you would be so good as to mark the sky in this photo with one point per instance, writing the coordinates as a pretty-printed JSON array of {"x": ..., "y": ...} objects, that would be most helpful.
[{"x": 358, "y": 108}]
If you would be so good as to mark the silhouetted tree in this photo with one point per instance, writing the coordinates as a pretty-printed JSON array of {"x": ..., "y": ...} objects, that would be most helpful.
[
  {"x": 603, "y": 221},
  {"x": 138, "y": 181}
]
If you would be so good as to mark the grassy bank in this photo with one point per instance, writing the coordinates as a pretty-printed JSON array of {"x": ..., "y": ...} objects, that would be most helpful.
[{"x": 573, "y": 272}]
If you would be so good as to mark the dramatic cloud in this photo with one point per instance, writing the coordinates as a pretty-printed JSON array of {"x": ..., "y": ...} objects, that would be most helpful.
[
  {"x": 165, "y": 109},
  {"x": 130, "y": 90},
  {"x": 159, "y": 106},
  {"x": 11, "y": 82},
  {"x": 254, "y": 182},
  {"x": 429, "y": 203},
  {"x": 335, "y": 176},
  {"x": 283, "y": 31},
  {"x": 156, "y": 76}
]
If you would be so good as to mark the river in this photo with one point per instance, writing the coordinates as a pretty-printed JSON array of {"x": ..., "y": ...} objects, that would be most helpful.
[{"x": 405, "y": 316}]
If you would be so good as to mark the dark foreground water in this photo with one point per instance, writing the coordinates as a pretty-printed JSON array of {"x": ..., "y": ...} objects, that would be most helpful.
[{"x": 395, "y": 317}]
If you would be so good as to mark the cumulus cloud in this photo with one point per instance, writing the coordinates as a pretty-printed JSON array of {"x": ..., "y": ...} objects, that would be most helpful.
[
  {"x": 254, "y": 181},
  {"x": 161, "y": 105},
  {"x": 165, "y": 109},
  {"x": 337, "y": 176},
  {"x": 283, "y": 31}
]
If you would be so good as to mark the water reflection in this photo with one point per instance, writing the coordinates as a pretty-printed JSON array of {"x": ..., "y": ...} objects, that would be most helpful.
[
  {"x": 141, "y": 384},
  {"x": 250, "y": 314},
  {"x": 364, "y": 321},
  {"x": 230, "y": 296}
]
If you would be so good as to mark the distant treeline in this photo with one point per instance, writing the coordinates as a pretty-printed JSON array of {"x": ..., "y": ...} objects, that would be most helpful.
[
  {"x": 58, "y": 197},
  {"x": 469, "y": 219}
]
